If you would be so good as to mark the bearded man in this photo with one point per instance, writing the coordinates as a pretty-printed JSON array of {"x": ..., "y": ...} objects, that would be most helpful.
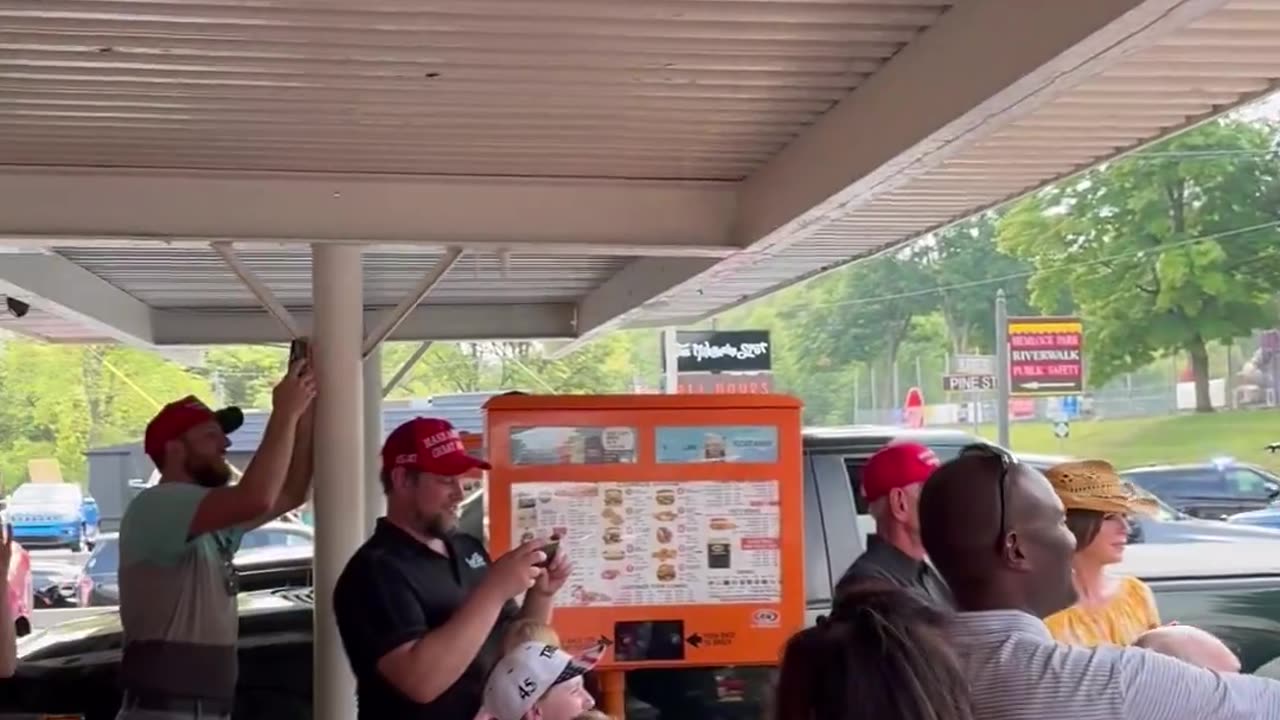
[{"x": 177, "y": 540}]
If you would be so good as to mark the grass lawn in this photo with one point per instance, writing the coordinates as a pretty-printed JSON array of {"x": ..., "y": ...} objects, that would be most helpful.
[{"x": 1242, "y": 435}]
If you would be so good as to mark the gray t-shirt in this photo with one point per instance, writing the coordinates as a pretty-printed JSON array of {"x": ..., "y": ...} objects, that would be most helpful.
[{"x": 177, "y": 598}]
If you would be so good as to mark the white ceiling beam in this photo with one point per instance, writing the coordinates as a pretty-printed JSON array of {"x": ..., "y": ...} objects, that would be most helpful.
[
  {"x": 259, "y": 289},
  {"x": 54, "y": 284},
  {"x": 392, "y": 318},
  {"x": 962, "y": 79},
  {"x": 533, "y": 321},
  {"x": 520, "y": 214},
  {"x": 641, "y": 281}
]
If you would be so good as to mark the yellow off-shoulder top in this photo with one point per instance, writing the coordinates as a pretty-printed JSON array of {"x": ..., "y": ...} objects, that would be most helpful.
[{"x": 1129, "y": 614}]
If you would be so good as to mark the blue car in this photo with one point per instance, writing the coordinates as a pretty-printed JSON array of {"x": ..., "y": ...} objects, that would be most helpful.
[
  {"x": 53, "y": 515},
  {"x": 1267, "y": 517}
]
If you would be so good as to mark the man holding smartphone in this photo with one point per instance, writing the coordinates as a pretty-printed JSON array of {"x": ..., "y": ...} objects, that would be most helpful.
[
  {"x": 177, "y": 540},
  {"x": 420, "y": 607}
]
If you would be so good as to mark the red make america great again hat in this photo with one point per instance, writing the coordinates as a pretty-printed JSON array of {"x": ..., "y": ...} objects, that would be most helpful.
[{"x": 431, "y": 446}]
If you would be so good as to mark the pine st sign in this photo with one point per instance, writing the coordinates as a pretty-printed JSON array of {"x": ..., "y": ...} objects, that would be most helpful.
[{"x": 1046, "y": 356}]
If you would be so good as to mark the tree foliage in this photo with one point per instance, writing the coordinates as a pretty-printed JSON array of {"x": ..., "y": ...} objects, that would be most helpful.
[{"x": 1162, "y": 252}]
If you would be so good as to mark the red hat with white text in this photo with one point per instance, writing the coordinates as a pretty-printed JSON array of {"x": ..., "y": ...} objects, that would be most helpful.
[
  {"x": 429, "y": 445},
  {"x": 897, "y": 466}
]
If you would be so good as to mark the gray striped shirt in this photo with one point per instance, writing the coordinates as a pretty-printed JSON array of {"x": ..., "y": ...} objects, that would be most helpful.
[{"x": 1018, "y": 672}]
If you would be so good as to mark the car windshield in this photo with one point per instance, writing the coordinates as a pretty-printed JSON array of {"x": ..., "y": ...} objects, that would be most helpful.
[{"x": 45, "y": 494}]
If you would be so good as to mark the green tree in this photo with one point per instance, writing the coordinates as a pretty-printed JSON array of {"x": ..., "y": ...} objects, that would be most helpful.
[
  {"x": 964, "y": 262},
  {"x": 243, "y": 375},
  {"x": 1164, "y": 251},
  {"x": 57, "y": 401}
]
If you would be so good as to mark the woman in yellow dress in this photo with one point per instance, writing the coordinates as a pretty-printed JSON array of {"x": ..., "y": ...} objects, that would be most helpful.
[{"x": 1111, "y": 610}]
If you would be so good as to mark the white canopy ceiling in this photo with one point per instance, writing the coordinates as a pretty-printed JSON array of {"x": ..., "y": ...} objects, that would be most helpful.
[{"x": 601, "y": 163}]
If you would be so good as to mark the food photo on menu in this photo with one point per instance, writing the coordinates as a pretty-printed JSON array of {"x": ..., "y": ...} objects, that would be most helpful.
[{"x": 656, "y": 543}]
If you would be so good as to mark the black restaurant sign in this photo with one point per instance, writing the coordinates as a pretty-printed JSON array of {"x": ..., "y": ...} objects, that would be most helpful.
[{"x": 723, "y": 351}]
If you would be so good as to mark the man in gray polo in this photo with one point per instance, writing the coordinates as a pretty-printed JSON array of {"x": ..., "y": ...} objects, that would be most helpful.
[{"x": 177, "y": 540}]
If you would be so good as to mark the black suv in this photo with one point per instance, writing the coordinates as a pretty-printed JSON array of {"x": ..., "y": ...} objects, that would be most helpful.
[{"x": 1212, "y": 490}]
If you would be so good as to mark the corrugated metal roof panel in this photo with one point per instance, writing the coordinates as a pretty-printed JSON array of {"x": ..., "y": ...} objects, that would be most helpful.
[
  {"x": 602, "y": 88},
  {"x": 186, "y": 277}
]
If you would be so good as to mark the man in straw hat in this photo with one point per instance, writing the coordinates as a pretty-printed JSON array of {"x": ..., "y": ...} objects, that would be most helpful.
[
  {"x": 998, "y": 534},
  {"x": 1110, "y": 609}
]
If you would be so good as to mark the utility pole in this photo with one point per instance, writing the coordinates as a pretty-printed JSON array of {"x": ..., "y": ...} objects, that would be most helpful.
[{"x": 1003, "y": 381}]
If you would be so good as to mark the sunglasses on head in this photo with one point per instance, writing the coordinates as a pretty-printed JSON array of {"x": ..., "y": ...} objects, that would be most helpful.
[{"x": 1007, "y": 462}]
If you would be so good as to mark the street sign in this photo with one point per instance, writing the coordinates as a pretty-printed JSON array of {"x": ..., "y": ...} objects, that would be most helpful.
[
  {"x": 1046, "y": 356},
  {"x": 973, "y": 365},
  {"x": 968, "y": 383},
  {"x": 1071, "y": 407},
  {"x": 1062, "y": 429}
]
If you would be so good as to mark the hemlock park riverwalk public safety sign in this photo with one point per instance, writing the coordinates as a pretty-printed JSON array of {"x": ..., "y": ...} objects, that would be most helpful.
[{"x": 1046, "y": 356}]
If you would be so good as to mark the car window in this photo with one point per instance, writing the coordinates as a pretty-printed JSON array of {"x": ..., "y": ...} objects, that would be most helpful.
[
  {"x": 105, "y": 558},
  {"x": 1246, "y": 483},
  {"x": 45, "y": 493},
  {"x": 1180, "y": 483},
  {"x": 273, "y": 538}
]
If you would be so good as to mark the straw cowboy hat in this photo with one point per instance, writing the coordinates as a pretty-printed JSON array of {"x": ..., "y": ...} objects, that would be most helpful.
[{"x": 1095, "y": 485}]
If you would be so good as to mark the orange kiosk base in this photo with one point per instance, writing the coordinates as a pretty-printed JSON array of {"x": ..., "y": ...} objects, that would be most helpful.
[{"x": 682, "y": 516}]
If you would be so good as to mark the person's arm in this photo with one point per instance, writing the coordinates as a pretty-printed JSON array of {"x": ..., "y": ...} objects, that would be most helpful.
[
  {"x": 381, "y": 620},
  {"x": 8, "y": 631},
  {"x": 537, "y": 606},
  {"x": 259, "y": 489},
  {"x": 297, "y": 482},
  {"x": 1157, "y": 687}
]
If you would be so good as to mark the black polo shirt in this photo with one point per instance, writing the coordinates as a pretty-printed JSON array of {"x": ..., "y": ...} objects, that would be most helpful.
[
  {"x": 883, "y": 561},
  {"x": 396, "y": 589}
]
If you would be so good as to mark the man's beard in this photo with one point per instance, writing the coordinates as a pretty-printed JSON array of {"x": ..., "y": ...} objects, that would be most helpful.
[
  {"x": 209, "y": 475},
  {"x": 437, "y": 525}
]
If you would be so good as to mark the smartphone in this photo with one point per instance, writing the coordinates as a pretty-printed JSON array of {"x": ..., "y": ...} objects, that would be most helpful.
[
  {"x": 550, "y": 551},
  {"x": 299, "y": 349}
]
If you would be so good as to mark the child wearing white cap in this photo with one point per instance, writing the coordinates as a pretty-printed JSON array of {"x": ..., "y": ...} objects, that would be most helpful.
[{"x": 536, "y": 681}]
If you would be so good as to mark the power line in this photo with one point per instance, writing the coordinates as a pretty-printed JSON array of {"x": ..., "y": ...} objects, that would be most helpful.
[{"x": 1159, "y": 250}]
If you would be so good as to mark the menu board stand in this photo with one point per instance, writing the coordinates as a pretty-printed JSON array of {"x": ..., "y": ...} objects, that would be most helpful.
[{"x": 682, "y": 516}]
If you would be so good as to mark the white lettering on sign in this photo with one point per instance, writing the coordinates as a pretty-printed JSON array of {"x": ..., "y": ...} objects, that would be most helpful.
[
  {"x": 706, "y": 351},
  {"x": 1043, "y": 355}
]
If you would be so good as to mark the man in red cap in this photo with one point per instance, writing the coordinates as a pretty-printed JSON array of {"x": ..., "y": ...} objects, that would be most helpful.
[
  {"x": 177, "y": 539},
  {"x": 891, "y": 483},
  {"x": 420, "y": 606}
]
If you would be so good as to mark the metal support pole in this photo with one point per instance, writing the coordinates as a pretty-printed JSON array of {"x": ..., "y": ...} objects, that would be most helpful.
[
  {"x": 258, "y": 288},
  {"x": 1003, "y": 381},
  {"x": 395, "y": 380},
  {"x": 340, "y": 460},
  {"x": 392, "y": 318},
  {"x": 375, "y": 502},
  {"x": 671, "y": 361}
]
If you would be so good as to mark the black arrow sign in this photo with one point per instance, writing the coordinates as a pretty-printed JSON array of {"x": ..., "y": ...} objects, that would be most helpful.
[{"x": 694, "y": 640}]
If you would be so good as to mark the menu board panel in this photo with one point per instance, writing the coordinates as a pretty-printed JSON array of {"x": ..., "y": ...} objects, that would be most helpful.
[
  {"x": 719, "y": 443},
  {"x": 557, "y": 445},
  {"x": 658, "y": 543}
]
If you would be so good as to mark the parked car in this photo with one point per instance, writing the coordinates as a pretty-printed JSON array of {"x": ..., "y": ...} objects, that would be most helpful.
[
  {"x": 53, "y": 515},
  {"x": 1268, "y": 517},
  {"x": 20, "y": 599},
  {"x": 1212, "y": 490},
  {"x": 71, "y": 668},
  {"x": 98, "y": 585},
  {"x": 54, "y": 583}
]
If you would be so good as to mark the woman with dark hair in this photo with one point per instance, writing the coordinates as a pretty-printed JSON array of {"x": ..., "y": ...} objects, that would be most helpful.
[
  {"x": 1111, "y": 609},
  {"x": 881, "y": 654}
]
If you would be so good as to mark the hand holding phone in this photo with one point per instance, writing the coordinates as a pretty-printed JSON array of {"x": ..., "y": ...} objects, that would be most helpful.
[
  {"x": 550, "y": 551},
  {"x": 299, "y": 349}
]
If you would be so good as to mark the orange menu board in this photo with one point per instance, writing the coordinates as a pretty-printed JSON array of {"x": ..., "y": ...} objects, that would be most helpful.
[{"x": 681, "y": 514}]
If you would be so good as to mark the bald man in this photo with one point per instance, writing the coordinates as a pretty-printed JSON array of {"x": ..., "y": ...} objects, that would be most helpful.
[
  {"x": 998, "y": 534},
  {"x": 1190, "y": 644}
]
